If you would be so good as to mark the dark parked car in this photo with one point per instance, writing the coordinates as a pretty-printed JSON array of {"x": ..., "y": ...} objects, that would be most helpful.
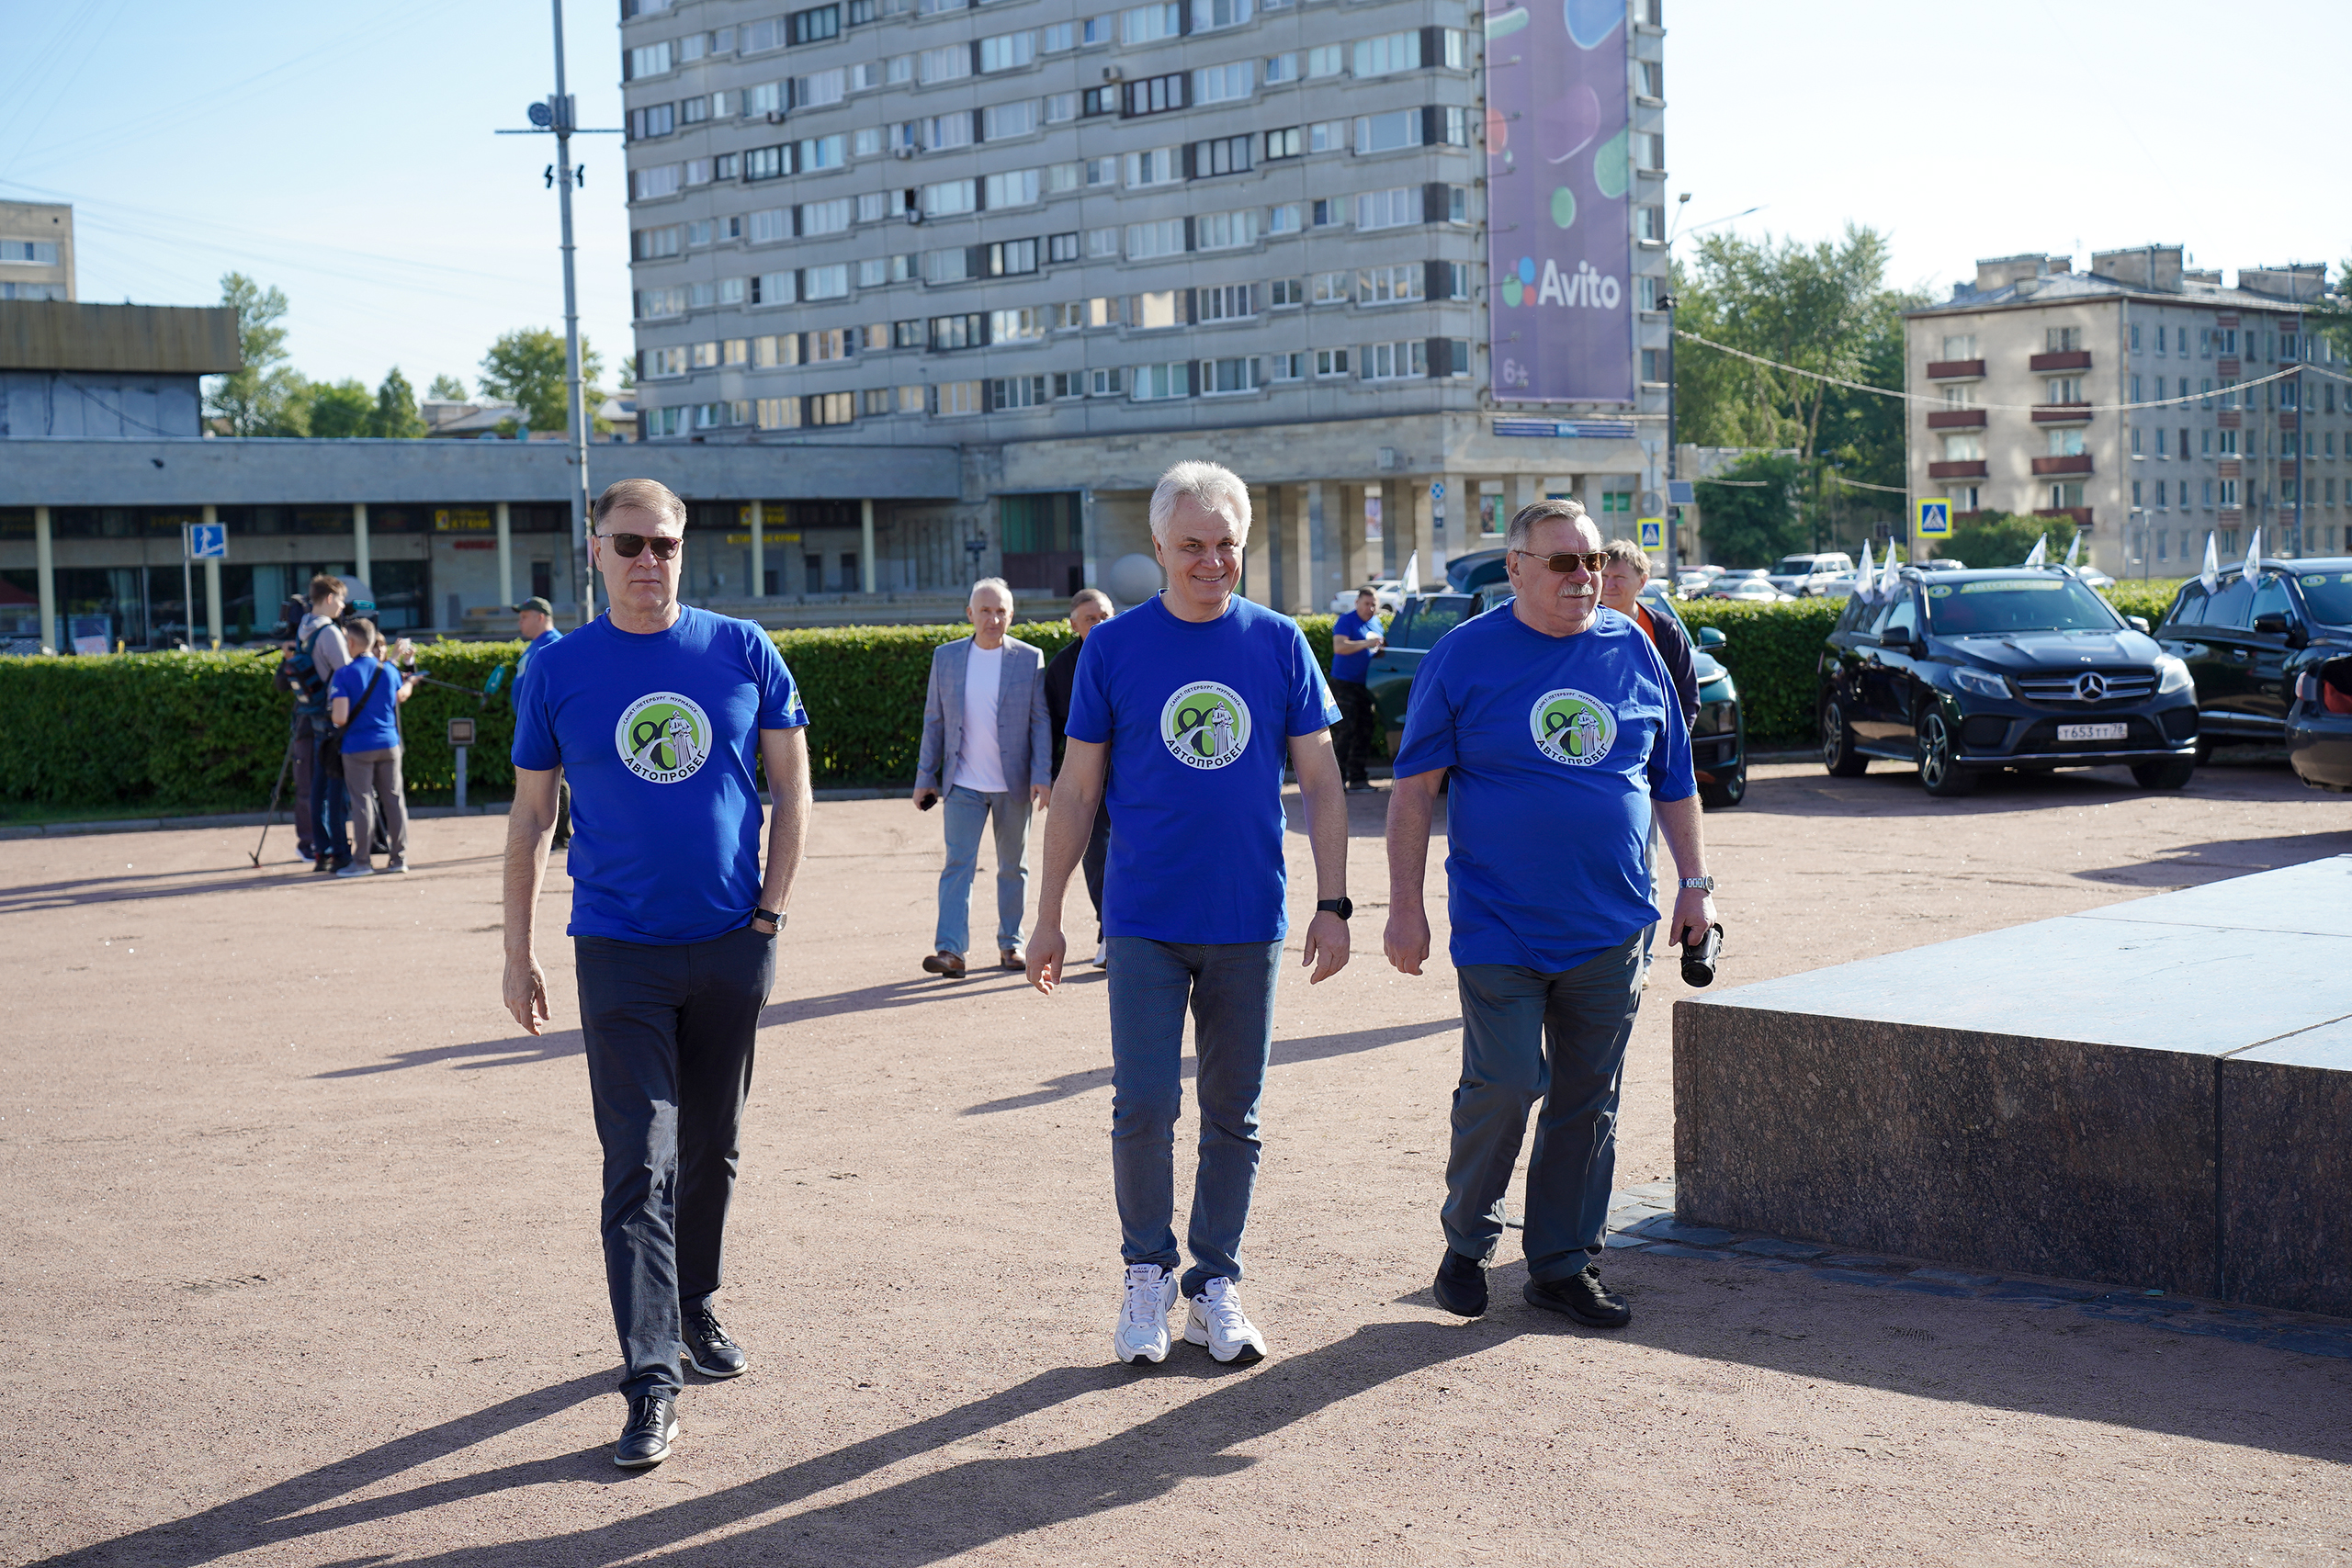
[
  {"x": 2247, "y": 645},
  {"x": 1718, "y": 740},
  {"x": 1964, "y": 671},
  {"x": 2319, "y": 723}
]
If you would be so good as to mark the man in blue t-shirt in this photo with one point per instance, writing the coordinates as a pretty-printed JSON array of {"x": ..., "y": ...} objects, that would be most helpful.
[
  {"x": 1355, "y": 637},
  {"x": 535, "y": 618},
  {"x": 662, "y": 717},
  {"x": 1557, "y": 723},
  {"x": 1190, "y": 705}
]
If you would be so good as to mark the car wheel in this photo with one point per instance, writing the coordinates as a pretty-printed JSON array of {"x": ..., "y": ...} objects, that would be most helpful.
[
  {"x": 1727, "y": 790},
  {"x": 2204, "y": 753},
  {"x": 1837, "y": 753},
  {"x": 2172, "y": 773},
  {"x": 1940, "y": 774}
]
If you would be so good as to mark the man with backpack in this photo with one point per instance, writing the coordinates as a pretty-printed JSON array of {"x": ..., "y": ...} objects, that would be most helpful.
[{"x": 319, "y": 642}]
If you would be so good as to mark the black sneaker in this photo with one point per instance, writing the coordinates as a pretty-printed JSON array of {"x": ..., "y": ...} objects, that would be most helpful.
[
  {"x": 708, "y": 1350},
  {"x": 653, "y": 1427},
  {"x": 1461, "y": 1287},
  {"x": 1581, "y": 1297}
]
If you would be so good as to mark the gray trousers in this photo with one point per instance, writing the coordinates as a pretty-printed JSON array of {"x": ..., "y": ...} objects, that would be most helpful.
[
  {"x": 373, "y": 779},
  {"x": 1557, "y": 1038}
]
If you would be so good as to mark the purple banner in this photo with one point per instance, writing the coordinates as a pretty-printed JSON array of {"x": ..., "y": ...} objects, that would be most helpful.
[{"x": 1559, "y": 248}]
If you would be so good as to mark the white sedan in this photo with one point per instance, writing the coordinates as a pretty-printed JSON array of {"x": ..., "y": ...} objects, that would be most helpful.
[
  {"x": 1751, "y": 590},
  {"x": 1387, "y": 591}
]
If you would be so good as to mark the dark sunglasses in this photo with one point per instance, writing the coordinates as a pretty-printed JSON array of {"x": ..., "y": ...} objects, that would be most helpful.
[
  {"x": 1593, "y": 560},
  {"x": 629, "y": 546}
]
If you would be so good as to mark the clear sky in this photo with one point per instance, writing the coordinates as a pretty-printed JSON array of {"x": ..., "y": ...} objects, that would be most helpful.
[{"x": 345, "y": 152}]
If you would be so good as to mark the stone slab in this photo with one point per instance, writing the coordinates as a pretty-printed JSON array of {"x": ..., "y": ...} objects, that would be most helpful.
[{"x": 2149, "y": 1095}]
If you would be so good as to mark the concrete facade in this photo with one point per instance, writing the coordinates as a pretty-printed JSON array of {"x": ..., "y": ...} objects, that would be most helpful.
[
  {"x": 36, "y": 251},
  {"x": 2113, "y": 397}
]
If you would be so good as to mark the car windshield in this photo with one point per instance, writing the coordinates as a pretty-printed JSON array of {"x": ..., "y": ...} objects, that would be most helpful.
[
  {"x": 2016, "y": 604},
  {"x": 1429, "y": 619},
  {"x": 1795, "y": 566},
  {"x": 2329, "y": 595}
]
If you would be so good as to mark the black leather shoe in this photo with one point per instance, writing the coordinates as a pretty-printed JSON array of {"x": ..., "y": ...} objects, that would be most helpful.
[
  {"x": 708, "y": 1350},
  {"x": 653, "y": 1427},
  {"x": 1461, "y": 1287},
  {"x": 1581, "y": 1297}
]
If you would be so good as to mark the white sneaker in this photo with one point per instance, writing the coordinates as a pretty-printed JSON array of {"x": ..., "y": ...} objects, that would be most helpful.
[
  {"x": 1102, "y": 959},
  {"x": 358, "y": 868},
  {"x": 1142, "y": 1331},
  {"x": 1217, "y": 1320}
]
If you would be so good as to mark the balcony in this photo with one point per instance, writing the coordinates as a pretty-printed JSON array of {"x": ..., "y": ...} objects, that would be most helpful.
[
  {"x": 2061, "y": 413},
  {"x": 2287, "y": 421},
  {"x": 1957, "y": 470},
  {"x": 2070, "y": 359},
  {"x": 2228, "y": 469},
  {"x": 2228, "y": 368},
  {"x": 1956, "y": 419},
  {"x": 2080, "y": 462},
  {"x": 2231, "y": 420},
  {"x": 1955, "y": 370},
  {"x": 2079, "y": 516}
]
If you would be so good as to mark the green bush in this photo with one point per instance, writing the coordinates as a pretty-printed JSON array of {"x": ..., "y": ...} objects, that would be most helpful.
[
  {"x": 2151, "y": 598},
  {"x": 1773, "y": 651}
]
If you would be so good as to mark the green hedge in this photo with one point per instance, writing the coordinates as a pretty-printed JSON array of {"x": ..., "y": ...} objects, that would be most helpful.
[{"x": 1773, "y": 651}]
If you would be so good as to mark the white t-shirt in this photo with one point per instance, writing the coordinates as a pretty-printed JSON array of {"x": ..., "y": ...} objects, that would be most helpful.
[{"x": 981, "y": 766}]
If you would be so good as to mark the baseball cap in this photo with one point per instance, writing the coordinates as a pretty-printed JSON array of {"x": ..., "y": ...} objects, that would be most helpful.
[{"x": 542, "y": 605}]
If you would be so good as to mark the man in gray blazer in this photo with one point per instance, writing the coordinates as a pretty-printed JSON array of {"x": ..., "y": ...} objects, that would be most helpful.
[{"x": 988, "y": 749}]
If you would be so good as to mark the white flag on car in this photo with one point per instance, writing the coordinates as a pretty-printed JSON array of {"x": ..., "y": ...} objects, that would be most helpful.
[
  {"x": 2074, "y": 549},
  {"x": 2040, "y": 554},
  {"x": 2211, "y": 576},
  {"x": 2253, "y": 557},
  {"x": 1863, "y": 577},
  {"x": 1411, "y": 584}
]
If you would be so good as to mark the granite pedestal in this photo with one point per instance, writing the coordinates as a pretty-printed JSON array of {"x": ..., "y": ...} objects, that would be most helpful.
[{"x": 2156, "y": 1094}]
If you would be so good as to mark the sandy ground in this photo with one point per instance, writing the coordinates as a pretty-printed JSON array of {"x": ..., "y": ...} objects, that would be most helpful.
[{"x": 302, "y": 1239}]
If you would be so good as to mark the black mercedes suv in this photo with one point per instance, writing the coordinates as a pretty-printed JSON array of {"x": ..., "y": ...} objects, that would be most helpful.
[{"x": 1964, "y": 671}]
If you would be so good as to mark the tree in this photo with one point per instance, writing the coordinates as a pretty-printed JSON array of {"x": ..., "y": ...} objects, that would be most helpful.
[
  {"x": 2332, "y": 316},
  {"x": 340, "y": 409},
  {"x": 2005, "y": 539},
  {"x": 527, "y": 366},
  {"x": 1749, "y": 511},
  {"x": 394, "y": 417},
  {"x": 447, "y": 388},
  {"x": 265, "y": 397}
]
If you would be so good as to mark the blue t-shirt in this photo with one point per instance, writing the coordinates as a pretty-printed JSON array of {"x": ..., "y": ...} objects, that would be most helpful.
[
  {"x": 523, "y": 664},
  {"x": 1198, "y": 718},
  {"x": 1357, "y": 665},
  {"x": 373, "y": 725},
  {"x": 659, "y": 735},
  {"x": 1558, "y": 745}
]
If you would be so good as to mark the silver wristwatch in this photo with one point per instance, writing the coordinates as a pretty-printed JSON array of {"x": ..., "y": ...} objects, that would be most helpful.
[{"x": 1703, "y": 883}]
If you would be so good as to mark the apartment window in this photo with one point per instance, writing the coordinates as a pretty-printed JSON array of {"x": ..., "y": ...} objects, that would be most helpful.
[
  {"x": 1290, "y": 367},
  {"x": 1098, "y": 101},
  {"x": 1151, "y": 312},
  {"x": 1103, "y": 171},
  {"x": 952, "y": 63},
  {"x": 1060, "y": 106},
  {"x": 1210, "y": 15},
  {"x": 1229, "y": 375},
  {"x": 730, "y": 290},
  {"x": 1013, "y": 258},
  {"x": 652, "y": 304},
  {"x": 944, "y": 132},
  {"x": 1105, "y": 383},
  {"x": 656, "y": 119},
  {"x": 1101, "y": 243},
  {"x": 1026, "y": 324},
  {"x": 950, "y": 198},
  {"x": 2064, "y": 497},
  {"x": 1653, "y": 365},
  {"x": 1069, "y": 384},
  {"x": 697, "y": 171},
  {"x": 1285, "y": 291},
  {"x": 950, "y": 332},
  {"x": 1159, "y": 167},
  {"x": 2204, "y": 392},
  {"x": 1225, "y": 231},
  {"x": 830, "y": 344},
  {"x": 1281, "y": 68},
  {"x": 1330, "y": 362},
  {"x": 2229, "y": 444},
  {"x": 649, "y": 59},
  {"x": 1389, "y": 285},
  {"x": 779, "y": 413},
  {"x": 906, "y": 334},
  {"x": 1961, "y": 346},
  {"x": 822, "y": 153},
  {"x": 661, "y": 363},
  {"x": 1453, "y": 126},
  {"x": 1147, "y": 24},
  {"x": 768, "y": 98},
  {"x": 875, "y": 402},
  {"x": 1459, "y": 352},
  {"x": 1653, "y": 79},
  {"x": 701, "y": 295},
  {"x": 2062, "y": 340},
  {"x": 776, "y": 289},
  {"x": 875, "y": 205},
  {"x": 1331, "y": 287},
  {"x": 1388, "y": 208},
  {"x": 1223, "y": 302},
  {"x": 821, "y": 90},
  {"x": 1327, "y": 136},
  {"x": 1329, "y": 59},
  {"x": 1154, "y": 95},
  {"x": 1017, "y": 392},
  {"x": 899, "y": 69},
  {"x": 651, "y": 244},
  {"x": 1008, "y": 52},
  {"x": 865, "y": 75},
  {"x": 1284, "y": 219},
  {"x": 1094, "y": 29},
  {"x": 1286, "y": 144},
  {"x": 2064, "y": 443},
  {"x": 1000, "y": 122},
  {"x": 1967, "y": 448},
  {"x": 779, "y": 350},
  {"x": 2135, "y": 442},
  {"x": 767, "y": 163},
  {"x": 2135, "y": 337},
  {"x": 826, "y": 217},
  {"x": 1165, "y": 238},
  {"x": 2230, "y": 498},
  {"x": 814, "y": 26},
  {"x": 1061, "y": 247},
  {"x": 1153, "y": 383},
  {"x": 2160, "y": 443},
  {"x": 1054, "y": 39},
  {"x": 1649, "y": 224},
  {"x": 1060, "y": 178},
  {"x": 1387, "y": 132},
  {"x": 650, "y": 185},
  {"x": 2063, "y": 390},
  {"x": 1223, "y": 84},
  {"x": 2135, "y": 390},
  {"x": 1388, "y": 53},
  {"x": 1015, "y": 188},
  {"x": 825, "y": 282},
  {"x": 874, "y": 337}
]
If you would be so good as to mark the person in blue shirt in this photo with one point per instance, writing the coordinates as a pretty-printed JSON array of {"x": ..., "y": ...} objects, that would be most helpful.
[
  {"x": 535, "y": 618},
  {"x": 364, "y": 702},
  {"x": 662, "y": 717},
  {"x": 1355, "y": 637},
  {"x": 1557, "y": 724},
  {"x": 1190, "y": 705}
]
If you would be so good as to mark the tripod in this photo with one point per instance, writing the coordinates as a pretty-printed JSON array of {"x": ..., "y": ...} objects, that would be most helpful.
[{"x": 284, "y": 768}]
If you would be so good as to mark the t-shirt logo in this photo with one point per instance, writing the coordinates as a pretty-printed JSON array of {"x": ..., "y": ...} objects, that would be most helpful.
[
  {"x": 1573, "y": 727},
  {"x": 663, "y": 736},
  {"x": 1205, "y": 725}
]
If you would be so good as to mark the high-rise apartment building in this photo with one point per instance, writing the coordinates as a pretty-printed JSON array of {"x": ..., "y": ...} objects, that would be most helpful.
[
  {"x": 2143, "y": 400},
  {"x": 1395, "y": 262},
  {"x": 36, "y": 251}
]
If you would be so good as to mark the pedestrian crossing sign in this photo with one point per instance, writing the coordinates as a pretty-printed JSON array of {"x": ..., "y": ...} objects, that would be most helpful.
[
  {"x": 1653, "y": 533},
  {"x": 1931, "y": 519}
]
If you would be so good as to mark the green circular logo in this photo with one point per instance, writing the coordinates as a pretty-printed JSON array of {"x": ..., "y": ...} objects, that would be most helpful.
[
  {"x": 1573, "y": 727},
  {"x": 663, "y": 736},
  {"x": 1205, "y": 725}
]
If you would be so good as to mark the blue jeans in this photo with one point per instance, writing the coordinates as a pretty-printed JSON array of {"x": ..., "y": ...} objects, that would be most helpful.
[
  {"x": 965, "y": 812},
  {"x": 1561, "y": 1039},
  {"x": 1230, "y": 990},
  {"x": 329, "y": 806}
]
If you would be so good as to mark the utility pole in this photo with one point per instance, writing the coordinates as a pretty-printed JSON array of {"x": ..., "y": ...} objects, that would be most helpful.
[{"x": 2302, "y": 354}]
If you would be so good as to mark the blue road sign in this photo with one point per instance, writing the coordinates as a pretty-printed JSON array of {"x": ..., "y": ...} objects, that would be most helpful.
[
  {"x": 208, "y": 541},
  {"x": 1437, "y": 491},
  {"x": 1932, "y": 519},
  {"x": 1653, "y": 533}
]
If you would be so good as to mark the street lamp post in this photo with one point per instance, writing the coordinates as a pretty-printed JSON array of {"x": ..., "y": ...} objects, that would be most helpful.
[{"x": 1673, "y": 449}]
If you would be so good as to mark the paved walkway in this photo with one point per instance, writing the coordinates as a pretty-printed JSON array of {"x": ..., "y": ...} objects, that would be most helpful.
[{"x": 302, "y": 1262}]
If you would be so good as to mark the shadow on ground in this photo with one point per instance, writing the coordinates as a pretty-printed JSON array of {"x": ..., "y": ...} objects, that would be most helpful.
[{"x": 1310, "y": 1048}]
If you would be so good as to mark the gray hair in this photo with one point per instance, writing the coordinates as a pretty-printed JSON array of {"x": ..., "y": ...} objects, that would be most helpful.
[
  {"x": 1096, "y": 597},
  {"x": 646, "y": 495},
  {"x": 1216, "y": 488},
  {"x": 999, "y": 584},
  {"x": 1631, "y": 553},
  {"x": 1523, "y": 520}
]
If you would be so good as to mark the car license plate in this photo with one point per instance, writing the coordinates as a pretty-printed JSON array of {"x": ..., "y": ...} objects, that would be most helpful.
[{"x": 2093, "y": 731}]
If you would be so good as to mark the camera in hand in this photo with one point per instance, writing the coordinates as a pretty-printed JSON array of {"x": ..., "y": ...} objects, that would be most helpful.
[{"x": 1699, "y": 957}]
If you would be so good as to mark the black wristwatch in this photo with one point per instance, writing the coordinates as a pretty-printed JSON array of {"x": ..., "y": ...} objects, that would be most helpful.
[
  {"x": 769, "y": 914},
  {"x": 1342, "y": 907}
]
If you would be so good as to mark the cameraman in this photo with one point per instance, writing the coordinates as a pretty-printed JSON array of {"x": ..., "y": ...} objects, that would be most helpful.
[
  {"x": 367, "y": 695},
  {"x": 323, "y": 642}
]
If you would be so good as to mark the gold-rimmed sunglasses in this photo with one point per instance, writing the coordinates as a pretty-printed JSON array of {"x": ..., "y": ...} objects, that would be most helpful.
[{"x": 1566, "y": 561}]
